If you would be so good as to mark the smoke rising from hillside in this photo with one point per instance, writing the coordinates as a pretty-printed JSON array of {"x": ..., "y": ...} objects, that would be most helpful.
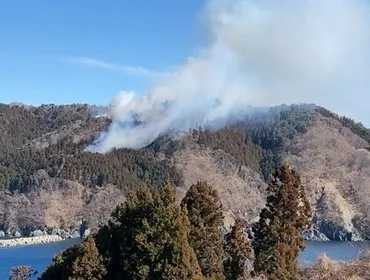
[{"x": 261, "y": 53}]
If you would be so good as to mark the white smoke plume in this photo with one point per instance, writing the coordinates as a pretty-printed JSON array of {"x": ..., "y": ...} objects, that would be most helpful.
[{"x": 261, "y": 53}]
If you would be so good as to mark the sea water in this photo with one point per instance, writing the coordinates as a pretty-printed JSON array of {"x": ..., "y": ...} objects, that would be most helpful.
[
  {"x": 36, "y": 256},
  {"x": 40, "y": 256}
]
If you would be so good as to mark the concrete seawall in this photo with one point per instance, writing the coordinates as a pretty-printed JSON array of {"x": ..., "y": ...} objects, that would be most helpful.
[{"x": 29, "y": 240}]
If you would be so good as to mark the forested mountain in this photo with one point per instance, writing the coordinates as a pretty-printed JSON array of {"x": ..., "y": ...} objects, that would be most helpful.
[
  {"x": 54, "y": 139},
  {"x": 48, "y": 180}
]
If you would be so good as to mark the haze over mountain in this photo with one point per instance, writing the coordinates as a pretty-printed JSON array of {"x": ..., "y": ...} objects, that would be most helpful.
[
  {"x": 209, "y": 118},
  {"x": 260, "y": 53},
  {"x": 49, "y": 181}
]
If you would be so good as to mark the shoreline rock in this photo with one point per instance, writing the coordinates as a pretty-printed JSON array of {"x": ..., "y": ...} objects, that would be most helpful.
[
  {"x": 5, "y": 243},
  {"x": 314, "y": 235}
]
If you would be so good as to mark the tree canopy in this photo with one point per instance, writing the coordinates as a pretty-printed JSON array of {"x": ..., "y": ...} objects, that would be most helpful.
[
  {"x": 277, "y": 235},
  {"x": 206, "y": 219},
  {"x": 146, "y": 238},
  {"x": 239, "y": 253}
]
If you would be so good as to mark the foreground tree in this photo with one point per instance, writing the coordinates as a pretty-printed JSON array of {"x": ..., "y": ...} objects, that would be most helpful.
[
  {"x": 277, "y": 236},
  {"x": 77, "y": 262},
  {"x": 88, "y": 264},
  {"x": 147, "y": 239},
  {"x": 62, "y": 267},
  {"x": 206, "y": 219},
  {"x": 21, "y": 273},
  {"x": 239, "y": 253}
]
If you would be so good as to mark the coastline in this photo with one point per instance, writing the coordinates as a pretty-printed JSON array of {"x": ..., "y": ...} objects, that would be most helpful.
[
  {"x": 23, "y": 241},
  {"x": 45, "y": 239}
]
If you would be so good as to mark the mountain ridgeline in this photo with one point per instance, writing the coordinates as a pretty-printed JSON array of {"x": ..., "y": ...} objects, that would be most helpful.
[{"x": 48, "y": 181}]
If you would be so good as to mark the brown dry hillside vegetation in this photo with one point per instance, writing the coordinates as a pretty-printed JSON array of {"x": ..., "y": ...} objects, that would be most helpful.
[
  {"x": 335, "y": 167},
  {"x": 57, "y": 203},
  {"x": 241, "y": 189},
  {"x": 325, "y": 268},
  {"x": 47, "y": 180},
  {"x": 333, "y": 159}
]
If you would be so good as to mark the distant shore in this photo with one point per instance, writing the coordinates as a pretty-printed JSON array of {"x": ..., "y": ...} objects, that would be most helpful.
[{"x": 4, "y": 243}]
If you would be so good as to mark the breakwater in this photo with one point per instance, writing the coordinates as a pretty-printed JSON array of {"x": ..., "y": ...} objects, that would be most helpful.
[{"x": 30, "y": 240}]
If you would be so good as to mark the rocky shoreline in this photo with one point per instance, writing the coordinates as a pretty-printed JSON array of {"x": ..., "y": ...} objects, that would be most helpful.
[
  {"x": 332, "y": 234},
  {"x": 8, "y": 239},
  {"x": 60, "y": 235},
  {"x": 22, "y": 241},
  {"x": 314, "y": 235}
]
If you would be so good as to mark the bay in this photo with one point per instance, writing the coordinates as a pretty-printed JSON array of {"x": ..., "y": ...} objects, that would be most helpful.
[
  {"x": 37, "y": 256},
  {"x": 336, "y": 250},
  {"x": 40, "y": 256}
]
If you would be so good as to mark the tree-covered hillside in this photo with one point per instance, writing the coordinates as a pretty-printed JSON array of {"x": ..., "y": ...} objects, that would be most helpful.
[
  {"x": 259, "y": 142},
  {"x": 44, "y": 165},
  {"x": 53, "y": 138}
]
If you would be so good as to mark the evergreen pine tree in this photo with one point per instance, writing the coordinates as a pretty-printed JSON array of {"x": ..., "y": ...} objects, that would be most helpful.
[
  {"x": 277, "y": 235},
  {"x": 62, "y": 266},
  {"x": 76, "y": 263},
  {"x": 239, "y": 253},
  {"x": 88, "y": 265},
  {"x": 206, "y": 219},
  {"x": 148, "y": 239}
]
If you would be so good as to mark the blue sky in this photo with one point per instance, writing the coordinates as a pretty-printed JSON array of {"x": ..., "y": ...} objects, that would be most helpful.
[{"x": 86, "y": 51}]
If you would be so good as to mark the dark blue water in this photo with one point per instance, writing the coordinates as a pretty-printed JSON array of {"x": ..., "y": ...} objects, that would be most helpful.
[
  {"x": 340, "y": 251},
  {"x": 40, "y": 256},
  {"x": 36, "y": 256}
]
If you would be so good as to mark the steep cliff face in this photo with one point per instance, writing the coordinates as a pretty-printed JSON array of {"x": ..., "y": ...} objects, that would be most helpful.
[
  {"x": 334, "y": 163},
  {"x": 335, "y": 166},
  {"x": 241, "y": 189},
  {"x": 57, "y": 204}
]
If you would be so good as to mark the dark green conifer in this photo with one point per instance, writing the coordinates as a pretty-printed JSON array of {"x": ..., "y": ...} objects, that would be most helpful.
[
  {"x": 277, "y": 235},
  {"x": 206, "y": 219},
  {"x": 88, "y": 264},
  {"x": 148, "y": 239},
  {"x": 62, "y": 267},
  {"x": 239, "y": 253},
  {"x": 78, "y": 262}
]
